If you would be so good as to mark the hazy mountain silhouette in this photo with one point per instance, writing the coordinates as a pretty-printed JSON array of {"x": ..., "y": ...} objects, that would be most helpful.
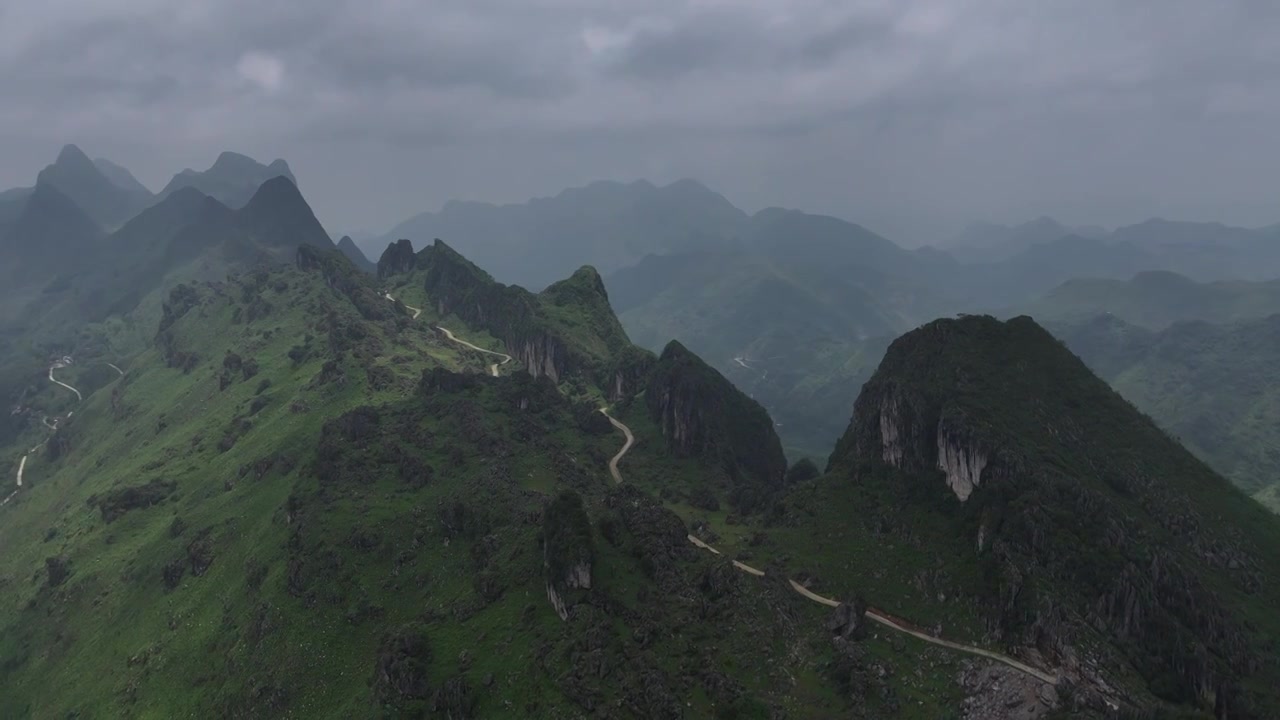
[
  {"x": 232, "y": 179},
  {"x": 80, "y": 179}
]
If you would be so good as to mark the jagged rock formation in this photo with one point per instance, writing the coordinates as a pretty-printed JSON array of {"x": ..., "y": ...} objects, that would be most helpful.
[
  {"x": 701, "y": 413},
  {"x": 1086, "y": 517},
  {"x": 397, "y": 259}
]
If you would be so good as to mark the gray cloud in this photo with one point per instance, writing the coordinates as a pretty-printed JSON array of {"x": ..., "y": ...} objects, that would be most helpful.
[{"x": 909, "y": 115}]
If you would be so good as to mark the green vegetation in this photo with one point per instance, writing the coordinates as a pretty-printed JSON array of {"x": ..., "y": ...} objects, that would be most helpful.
[
  {"x": 297, "y": 497},
  {"x": 1214, "y": 387},
  {"x": 1083, "y": 508},
  {"x": 1155, "y": 300}
]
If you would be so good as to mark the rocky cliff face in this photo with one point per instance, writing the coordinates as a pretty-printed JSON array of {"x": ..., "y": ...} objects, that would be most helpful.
[
  {"x": 1086, "y": 519},
  {"x": 898, "y": 426},
  {"x": 701, "y": 413},
  {"x": 567, "y": 550},
  {"x": 397, "y": 259}
]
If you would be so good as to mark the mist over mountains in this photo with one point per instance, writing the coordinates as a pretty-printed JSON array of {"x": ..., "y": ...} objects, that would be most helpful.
[{"x": 550, "y": 459}]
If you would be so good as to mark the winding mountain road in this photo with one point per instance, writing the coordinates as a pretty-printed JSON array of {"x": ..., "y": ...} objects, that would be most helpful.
[
  {"x": 56, "y": 381},
  {"x": 493, "y": 369},
  {"x": 631, "y": 439},
  {"x": 416, "y": 311},
  {"x": 809, "y": 594},
  {"x": 22, "y": 464}
]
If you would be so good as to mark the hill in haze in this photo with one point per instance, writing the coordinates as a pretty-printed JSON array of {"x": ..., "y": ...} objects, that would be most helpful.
[
  {"x": 348, "y": 248},
  {"x": 109, "y": 203},
  {"x": 1158, "y": 299},
  {"x": 233, "y": 179},
  {"x": 606, "y": 225}
]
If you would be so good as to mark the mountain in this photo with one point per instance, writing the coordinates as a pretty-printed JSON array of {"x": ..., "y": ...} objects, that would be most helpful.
[
  {"x": 1157, "y": 299},
  {"x": 77, "y": 177},
  {"x": 1214, "y": 387},
  {"x": 990, "y": 242},
  {"x": 233, "y": 179},
  {"x": 279, "y": 217},
  {"x": 988, "y": 480},
  {"x": 120, "y": 177},
  {"x": 1205, "y": 251},
  {"x": 348, "y": 248},
  {"x": 607, "y": 225}
]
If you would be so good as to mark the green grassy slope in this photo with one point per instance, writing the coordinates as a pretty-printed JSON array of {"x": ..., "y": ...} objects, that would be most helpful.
[
  {"x": 1214, "y": 387},
  {"x": 277, "y": 512}
]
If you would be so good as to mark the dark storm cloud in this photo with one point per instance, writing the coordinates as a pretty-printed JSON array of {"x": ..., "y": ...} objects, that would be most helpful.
[{"x": 889, "y": 111}]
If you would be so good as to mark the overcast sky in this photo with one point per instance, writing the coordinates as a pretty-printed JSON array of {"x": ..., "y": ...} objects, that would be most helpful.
[{"x": 906, "y": 115}]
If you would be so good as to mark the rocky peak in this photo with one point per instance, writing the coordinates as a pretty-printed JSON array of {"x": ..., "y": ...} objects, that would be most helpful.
[
  {"x": 397, "y": 259},
  {"x": 702, "y": 413},
  {"x": 584, "y": 286}
]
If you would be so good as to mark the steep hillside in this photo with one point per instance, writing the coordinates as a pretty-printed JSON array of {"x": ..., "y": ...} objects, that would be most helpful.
[
  {"x": 233, "y": 179},
  {"x": 701, "y": 414},
  {"x": 1214, "y": 387},
  {"x": 121, "y": 177},
  {"x": 1063, "y": 521}
]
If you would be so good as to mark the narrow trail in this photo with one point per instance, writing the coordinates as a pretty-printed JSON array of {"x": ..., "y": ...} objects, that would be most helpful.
[
  {"x": 493, "y": 369},
  {"x": 113, "y": 367},
  {"x": 875, "y": 615}
]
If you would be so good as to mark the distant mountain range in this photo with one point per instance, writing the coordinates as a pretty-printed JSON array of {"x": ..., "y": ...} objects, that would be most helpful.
[{"x": 232, "y": 179}]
